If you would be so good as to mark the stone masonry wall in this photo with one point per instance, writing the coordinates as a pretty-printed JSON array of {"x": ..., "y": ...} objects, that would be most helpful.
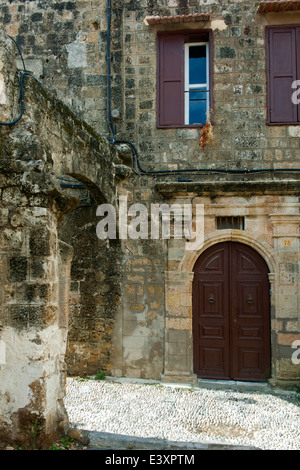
[
  {"x": 241, "y": 138},
  {"x": 94, "y": 291},
  {"x": 64, "y": 46},
  {"x": 34, "y": 312},
  {"x": 33, "y": 292},
  {"x": 64, "y": 43},
  {"x": 35, "y": 264}
]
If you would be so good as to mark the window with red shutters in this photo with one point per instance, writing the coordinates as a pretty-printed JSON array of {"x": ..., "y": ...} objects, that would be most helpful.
[
  {"x": 283, "y": 59},
  {"x": 184, "y": 94}
]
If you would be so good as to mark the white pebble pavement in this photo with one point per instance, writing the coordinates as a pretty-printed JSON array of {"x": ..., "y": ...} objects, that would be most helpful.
[{"x": 269, "y": 421}]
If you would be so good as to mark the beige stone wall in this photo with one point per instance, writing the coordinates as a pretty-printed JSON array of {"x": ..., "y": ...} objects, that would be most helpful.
[
  {"x": 94, "y": 291},
  {"x": 272, "y": 228},
  {"x": 35, "y": 263},
  {"x": 64, "y": 44},
  {"x": 33, "y": 319},
  {"x": 242, "y": 140}
]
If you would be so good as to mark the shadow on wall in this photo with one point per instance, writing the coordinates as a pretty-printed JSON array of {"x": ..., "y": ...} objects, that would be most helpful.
[{"x": 95, "y": 287}]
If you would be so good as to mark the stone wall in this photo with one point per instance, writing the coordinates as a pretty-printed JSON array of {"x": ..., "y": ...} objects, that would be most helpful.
[
  {"x": 65, "y": 45},
  {"x": 34, "y": 310},
  {"x": 94, "y": 292},
  {"x": 241, "y": 138},
  {"x": 35, "y": 281},
  {"x": 272, "y": 229}
]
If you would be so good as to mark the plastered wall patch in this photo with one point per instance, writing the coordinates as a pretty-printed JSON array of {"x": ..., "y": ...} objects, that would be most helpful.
[{"x": 2, "y": 353}]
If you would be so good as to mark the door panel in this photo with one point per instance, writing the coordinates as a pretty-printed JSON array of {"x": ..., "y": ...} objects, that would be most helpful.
[
  {"x": 231, "y": 326},
  {"x": 211, "y": 301}
]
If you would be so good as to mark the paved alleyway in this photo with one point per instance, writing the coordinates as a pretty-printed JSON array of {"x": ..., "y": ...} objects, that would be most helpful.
[{"x": 123, "y": 414}]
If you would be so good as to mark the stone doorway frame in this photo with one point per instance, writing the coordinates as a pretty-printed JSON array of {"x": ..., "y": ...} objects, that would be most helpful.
[{"x": 178, "y": 285}]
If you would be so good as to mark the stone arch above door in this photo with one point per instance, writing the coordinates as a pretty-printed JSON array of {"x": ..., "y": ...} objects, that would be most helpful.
[{"x": 261, "y": 246}]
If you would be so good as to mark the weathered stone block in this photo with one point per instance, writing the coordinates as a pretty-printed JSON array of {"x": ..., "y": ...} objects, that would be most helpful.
[
  {"x": 226, "y": 53},
  {"x": 3, "y": 216},
  {"x": 27, "y": 316},
  {"x": 18, "y": 268},
  {"x": 39, "y": 243}
]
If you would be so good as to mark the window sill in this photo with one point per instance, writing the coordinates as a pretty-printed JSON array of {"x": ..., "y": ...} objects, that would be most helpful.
[
  {"x": 182, "y": 126},
  {"x": 283, "y": 123}
]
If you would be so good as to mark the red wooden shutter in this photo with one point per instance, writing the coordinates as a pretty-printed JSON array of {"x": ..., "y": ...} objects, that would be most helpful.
[
  {"x": 282, "y": 73},
  {"x": 170, "y": 80}
]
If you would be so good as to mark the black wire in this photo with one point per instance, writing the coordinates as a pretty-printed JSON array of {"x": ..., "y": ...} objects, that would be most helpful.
[
  {"x": 70, "y": 183},
  {"x": 21, "y": 86},
  {"x": 202, "y": 170},
  {"x": 23, "y": 74},
  {"x": 108, "y": 59},
  {"x": 72, "y": 186}
]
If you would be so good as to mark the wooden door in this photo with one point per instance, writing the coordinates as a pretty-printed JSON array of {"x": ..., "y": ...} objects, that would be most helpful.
[{"x": 231, "y": 314}]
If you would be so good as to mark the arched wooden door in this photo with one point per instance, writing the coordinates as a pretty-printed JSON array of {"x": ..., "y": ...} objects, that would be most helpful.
[{"x": 231, "y": 314}]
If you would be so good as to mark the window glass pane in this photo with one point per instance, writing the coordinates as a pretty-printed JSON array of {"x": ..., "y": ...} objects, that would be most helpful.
[
  {"x": 197, "y": 106},
  {"x": 197, "y": 64}
]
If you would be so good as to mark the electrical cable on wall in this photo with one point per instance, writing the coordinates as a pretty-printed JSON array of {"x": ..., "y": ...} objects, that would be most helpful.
[
  {"x": 68, "y": 183},
  {"x": 22, "y": 73},
  {"x": 112, "y": 127},
  {"x": 21, "y": 97}
]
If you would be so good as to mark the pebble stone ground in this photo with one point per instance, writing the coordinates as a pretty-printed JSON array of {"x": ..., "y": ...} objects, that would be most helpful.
[{"x": 267, "y": 420}]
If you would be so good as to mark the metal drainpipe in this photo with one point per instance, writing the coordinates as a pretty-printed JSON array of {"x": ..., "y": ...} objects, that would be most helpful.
[{"x": 108, "y": 62}]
